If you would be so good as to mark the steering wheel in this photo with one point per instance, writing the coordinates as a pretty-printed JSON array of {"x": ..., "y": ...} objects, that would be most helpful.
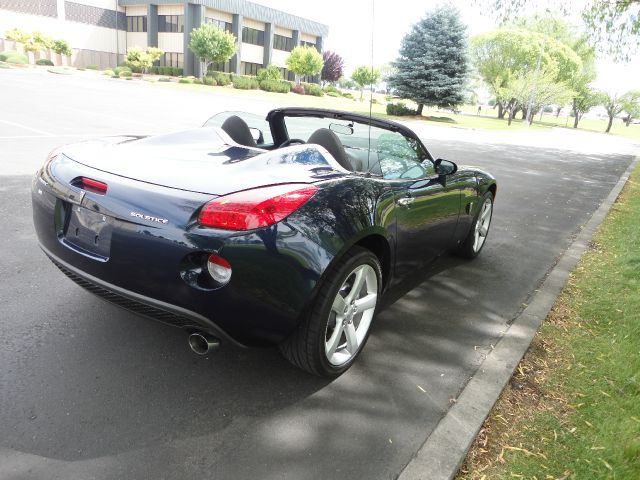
[{"x": 291, "y": 141}]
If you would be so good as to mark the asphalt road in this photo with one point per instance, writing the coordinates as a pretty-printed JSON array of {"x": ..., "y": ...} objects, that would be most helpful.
[{"x": 90, "y": 391}]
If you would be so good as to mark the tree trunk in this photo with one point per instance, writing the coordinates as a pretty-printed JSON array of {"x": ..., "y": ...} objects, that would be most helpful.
[
  {"x": 500, "y": 110},
  {"x": 419, "y": 111},
  {"x": 610, "y": 123},
  {"x": 524, "y": 113},
  {"x": 512, "y": 114},
  {"x": 576, "y": 119},
  {"x": 558, "y": 112},
  {"x": 627, "y": 121}
]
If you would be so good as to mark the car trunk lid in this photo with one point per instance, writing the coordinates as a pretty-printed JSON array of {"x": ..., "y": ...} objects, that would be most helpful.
[{"x": 202, "y": 160}]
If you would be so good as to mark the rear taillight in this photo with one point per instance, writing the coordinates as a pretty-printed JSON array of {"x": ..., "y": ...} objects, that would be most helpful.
[
  {"x": 256, "y": 208},
  {"x": 91, "y": 185}
]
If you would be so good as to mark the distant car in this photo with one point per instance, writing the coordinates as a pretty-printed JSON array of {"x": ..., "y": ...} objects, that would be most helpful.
[{"x": 284, "y": 230}]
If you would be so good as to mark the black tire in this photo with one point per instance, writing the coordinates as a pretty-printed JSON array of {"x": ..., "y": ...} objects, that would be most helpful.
[
  {"x": 466, "y": 248},
  {"x": 305, "y": 347}
]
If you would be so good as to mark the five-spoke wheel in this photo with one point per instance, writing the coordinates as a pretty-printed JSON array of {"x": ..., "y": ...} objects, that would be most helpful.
[
  {"x": 351, "y": 314},
  {"x": 330, "y": 338}
]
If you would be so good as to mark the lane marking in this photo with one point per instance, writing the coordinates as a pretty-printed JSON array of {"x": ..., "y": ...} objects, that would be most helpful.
[{"x": 41, "y": 132}]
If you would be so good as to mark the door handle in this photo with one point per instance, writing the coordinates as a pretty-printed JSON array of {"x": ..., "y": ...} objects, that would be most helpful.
[{"x": 405, "y": 201}]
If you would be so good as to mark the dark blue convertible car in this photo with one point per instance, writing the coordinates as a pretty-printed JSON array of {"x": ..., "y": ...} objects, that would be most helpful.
[{"x": 283, "y": 230}]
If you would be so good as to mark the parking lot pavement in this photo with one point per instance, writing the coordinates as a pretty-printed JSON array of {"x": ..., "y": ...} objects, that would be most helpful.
[{"x": 90, "y": 391}]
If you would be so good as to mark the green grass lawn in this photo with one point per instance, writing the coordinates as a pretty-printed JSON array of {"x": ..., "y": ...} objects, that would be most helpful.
[{"x": 572, "y": 410}]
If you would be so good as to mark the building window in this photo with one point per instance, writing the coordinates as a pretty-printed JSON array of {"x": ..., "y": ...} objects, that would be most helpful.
[
  {"x": 282, "y": 43},
  {"x": 253, "y": 36},
  {"x": 250, "y": 68},
  {"x": 137, "y": 24},
  {"x": 220, "y": 67},
  {"x": 171, "y": 23},
  {"x": 308, "y": 44},
  {"x": 221, "y": 24},
  {"x": 172, "y": 59}
]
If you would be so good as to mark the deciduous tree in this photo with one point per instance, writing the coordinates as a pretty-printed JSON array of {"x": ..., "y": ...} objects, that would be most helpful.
[
  {"x": 631, "y": 105},
  {"x": 613, "y": 27},
  {"x": 364, "y": 76},
  {"x": 212, "y": 45},
  {"x": 584, "y": 100},
  {"x": 614, "y": 104},
  {"x": 333, "y": 67},
  {"x": 432, "y": 66},
  {"x": 504, "y": 54},
  {"x": 304, "y": 61}
]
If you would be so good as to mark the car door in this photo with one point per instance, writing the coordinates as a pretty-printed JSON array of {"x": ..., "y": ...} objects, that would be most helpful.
[{"x": 427, "y": 205}]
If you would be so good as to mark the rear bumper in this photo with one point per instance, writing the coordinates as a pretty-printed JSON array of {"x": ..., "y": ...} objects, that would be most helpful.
[{"x": 146, "y": 306}]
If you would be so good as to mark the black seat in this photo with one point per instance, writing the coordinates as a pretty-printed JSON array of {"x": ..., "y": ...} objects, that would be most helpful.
[
  {"x": 239, "y": 131},
  {"x": 329, "y": 140}
]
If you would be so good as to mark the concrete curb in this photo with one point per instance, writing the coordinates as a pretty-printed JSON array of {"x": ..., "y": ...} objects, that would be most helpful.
[{"x": 444, "y": 451}]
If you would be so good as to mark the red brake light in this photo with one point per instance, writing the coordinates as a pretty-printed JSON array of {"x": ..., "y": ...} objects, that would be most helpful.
[
  {"x": 94, "y": 186},
  {"x": 256, "y": 208}
]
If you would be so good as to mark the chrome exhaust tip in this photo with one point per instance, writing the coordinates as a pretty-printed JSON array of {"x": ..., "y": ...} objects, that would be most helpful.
[{"x": 202, "y": 343}]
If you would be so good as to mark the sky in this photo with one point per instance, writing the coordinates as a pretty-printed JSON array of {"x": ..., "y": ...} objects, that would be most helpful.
[{"x": 350, "y": 31}]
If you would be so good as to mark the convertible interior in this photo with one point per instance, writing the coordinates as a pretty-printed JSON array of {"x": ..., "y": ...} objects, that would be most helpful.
[{"x": 357, "y": 144}]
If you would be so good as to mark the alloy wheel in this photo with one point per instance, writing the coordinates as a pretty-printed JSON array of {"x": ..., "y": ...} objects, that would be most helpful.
[
  {"x": 351, "y": 314},
  {"x": 482, "y": 225}
]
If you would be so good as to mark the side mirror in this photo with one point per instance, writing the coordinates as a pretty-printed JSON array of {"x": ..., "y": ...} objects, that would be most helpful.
[
  {"x": 445, "y": 167},
  {"x": 256, "y": 133}
]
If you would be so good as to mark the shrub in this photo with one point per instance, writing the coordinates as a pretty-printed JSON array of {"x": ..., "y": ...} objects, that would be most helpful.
[
  {"x": 177, "y": 72},
  {"x": 348, "y": 95},
  {"x": 120, "y": 69},
  {"x": 221, "y": 78},
  {"x": 164, "y": 79},
  {"x": 114, "y": 76},
  {"x": 333, "y": 94},
  {"x": 299, "y": 89},
  {"x": 61, "y": 47},
  {"x": 245, "y": 83},
  {"x": 17, "y": 35},
  {"x": 313, "y": 89},
  {"x": 44, "y": 61},
  {"x": 108, "y": 71},
  {"x": 17, "y": 58},
  {"x": 185, "y": 80},
  {"x": 272, "y": 72},
  {"x": 331, "y": 89},
  {"x": 92, "y": 67},
  {"x": 399, "y": 109},
  {"x": 197, "y": 81},
  {"x": 278, "y": 86},
  {"x": 6, "y": 54},
  {"x": 125, "y": 74},
  {"x": 210, "y": 81}
]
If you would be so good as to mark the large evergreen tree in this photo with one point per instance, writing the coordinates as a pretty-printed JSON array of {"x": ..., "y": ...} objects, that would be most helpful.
[{"x": 432, "y": 67}]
